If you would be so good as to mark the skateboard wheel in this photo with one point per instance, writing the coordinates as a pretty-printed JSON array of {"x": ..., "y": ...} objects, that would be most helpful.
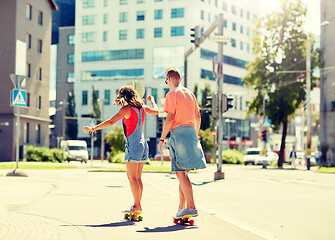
[
  {"x": 182, "y": 221},
  {"x": 191, "y": 222},
  {"x": 140, "y": 218},
  {"x": 175, "y": 220},
  {"x": 126, "y": 216},
  {"x": 132, "y": 218}
]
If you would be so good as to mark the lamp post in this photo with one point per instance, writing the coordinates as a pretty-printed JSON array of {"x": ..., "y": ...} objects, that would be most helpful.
[{"x": 102, "y": 101}]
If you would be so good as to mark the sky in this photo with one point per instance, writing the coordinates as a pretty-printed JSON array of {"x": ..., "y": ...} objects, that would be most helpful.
[{"x": 313, "y": 13}]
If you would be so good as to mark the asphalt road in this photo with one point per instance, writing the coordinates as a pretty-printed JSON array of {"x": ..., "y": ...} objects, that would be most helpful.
[{"x": 251, "y": 203}]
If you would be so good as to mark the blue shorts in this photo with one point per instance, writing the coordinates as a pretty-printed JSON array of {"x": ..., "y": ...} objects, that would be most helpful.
[
  {"x": 185, "y": 150},
  {"x": 137, "y": 152}
]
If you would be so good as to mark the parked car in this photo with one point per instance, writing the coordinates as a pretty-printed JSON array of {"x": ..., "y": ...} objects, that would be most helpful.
[
  {"x": 75, "y": 150},
  {"x": 253, "y": 156}
]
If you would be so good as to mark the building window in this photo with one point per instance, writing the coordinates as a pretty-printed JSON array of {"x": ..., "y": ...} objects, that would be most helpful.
[
  {"x": 104, "y": 36},
  {"x": 140, "y": 15},
  {"x": 84, "y": 95},
  {"x": 123, "y": 2},
  {"x": 70, "y": 39},
  {"x": 158, "y": 32},
  {"x": 202, "y": 14},
  {"x": 87, "y": 37},
  {"x": 29, "y": 11},
  {"x": 38, "y": 103},
  {"x": 216, "y": 3},
  {"x": 39, "y": 74},
  {"x": 110, "y": 75},
  {"x": 233, "y": 43},
  {"x": 158, "y": 14},
  {"x": 233, "y": 9},
  {"x": 70, "y": 77},
  {"x": 158, "y": 0},
  {"x": 248, "y": 31},
  {"x": 105, "y": 3},
  {"x": 88, "y": 20},
  {"x": 28, "y": 99},
  {"x": 105, "y": 18},
  {"x": 205, "y": 74},
  {"x": 241, "y": 45},
  {"x": 224, "y": 6},
  {"x": 70, "y": 58},
  {"x": 40, "y": 18},
  {"x": 123, "y": 34},
  {"x": 241, "y": 13},
  {"x": 248, "y": 15},
  {"x": 234, "y": 26},
  {"x": 225, "y": 23},
  {"x": 26, "y": 133},
  {"x": 88, "y": 3},
  {"x": 38, "y": 134},
  {"x": 209, "y": 17},
  {"x": 39, "y": 46},
  {"x": 177, "y": 12},
  {"x": 241, "y": 101},
  {"x": 107, "y": 97},
  {"x": 205, "y": 54},
  {"x": 177, "y": 31},
  {"x": 112, "y": 55},
  {"x": 123, "y": 17},
  {"x": 140, "y": 1},
  {"x": 241, "y": 29},
  {"x": 140, "y": 33},
  {"x": 248, "y": 47},
  {"x": 28, "y": 70},
  {"x": 28, "y": 41}
]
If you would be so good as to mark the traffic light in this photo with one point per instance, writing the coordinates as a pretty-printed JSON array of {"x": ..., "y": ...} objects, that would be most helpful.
[
  {"x": 227, "y": 103},
  {"x": 264, "y": 135},
  {"x": 212, "y": 105},
  {"x": 195, "y": 34}
]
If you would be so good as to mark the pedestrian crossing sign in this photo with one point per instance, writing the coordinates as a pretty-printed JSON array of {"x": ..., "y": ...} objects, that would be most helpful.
[{"x": 19, "y": 97}]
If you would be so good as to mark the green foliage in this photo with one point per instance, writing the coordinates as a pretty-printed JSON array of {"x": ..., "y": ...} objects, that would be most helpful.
[
  {"x": 116, "y": 140},
  {"x": 42, "y": 154},
  {"x": 232, "y": 156},
  {"x": 280, "y": 44},
  {"x": 71, "y": 124},
  {"x": 117, "y": 158},
  {"x": 96, "y": 113},
  {"x": 206, "y": 140}
]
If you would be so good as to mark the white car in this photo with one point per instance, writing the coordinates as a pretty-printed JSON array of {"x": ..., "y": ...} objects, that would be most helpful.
[{"x": 253, "y": 156}]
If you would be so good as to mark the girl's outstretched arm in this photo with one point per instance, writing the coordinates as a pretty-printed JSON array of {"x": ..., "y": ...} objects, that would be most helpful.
[
  {"x": 151, "y": 110},
  {"x": 124, "y": 111}
]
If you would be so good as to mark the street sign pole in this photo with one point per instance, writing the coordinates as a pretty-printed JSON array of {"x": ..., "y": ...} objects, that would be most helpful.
[{"x": 92, "y": 123}]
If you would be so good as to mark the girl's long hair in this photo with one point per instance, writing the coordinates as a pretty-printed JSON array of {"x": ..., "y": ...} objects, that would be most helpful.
[{"x": 128, "y": 95}]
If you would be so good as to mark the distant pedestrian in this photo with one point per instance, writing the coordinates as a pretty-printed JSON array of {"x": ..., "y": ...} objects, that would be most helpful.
[
  {"x": 318, "y": 157},
  {"x": 132, "y": 114},
  {"x": 293, "y": 157},
  {"x": 329, "y": 158},
  {"x": 183, "y": 120}
]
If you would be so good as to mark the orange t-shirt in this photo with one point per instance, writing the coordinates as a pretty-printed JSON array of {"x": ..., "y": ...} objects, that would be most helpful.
[{"x": 183, "y": 104}]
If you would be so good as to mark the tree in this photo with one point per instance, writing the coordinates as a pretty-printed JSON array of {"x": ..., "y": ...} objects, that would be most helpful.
[
  {"x": 96, "y": 112},
  {"x": 116, "y": 140},
  {"x": 71, "y": 124},
  {"x": 205, "y": 117},
  {"x": 280, "y": 45}
]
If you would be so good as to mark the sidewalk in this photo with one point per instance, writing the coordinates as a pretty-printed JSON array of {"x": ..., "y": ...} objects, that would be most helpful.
[{"x": 76, "y": 204}]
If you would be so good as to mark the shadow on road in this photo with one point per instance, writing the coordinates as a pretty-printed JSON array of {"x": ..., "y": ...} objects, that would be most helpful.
[
  {"x": 200, "y": 184},
  {"x": 116, "y": 224},
  {"x": 171, "y": 228}
]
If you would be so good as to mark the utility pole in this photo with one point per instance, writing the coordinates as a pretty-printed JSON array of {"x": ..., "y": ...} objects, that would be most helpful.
[
  {"x": 308, "y": 97},
  {"x": 219, "y": 78},
  {"x": 102, "y": 102}
]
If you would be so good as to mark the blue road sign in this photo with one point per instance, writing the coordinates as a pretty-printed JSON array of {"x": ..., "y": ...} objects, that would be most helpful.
[
  {"x": 19, "y": 97},
  {"x": 266, "y": 123}
]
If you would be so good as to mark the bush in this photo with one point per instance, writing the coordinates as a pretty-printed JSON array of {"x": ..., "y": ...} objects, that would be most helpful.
[
  {"x": 116, "y": 158},
  {"x": 116, "y": 140},
  {"x": 42, "y": 154},
  {"x": 206, "y": 140},
  {"x": 232, "y": 156}
]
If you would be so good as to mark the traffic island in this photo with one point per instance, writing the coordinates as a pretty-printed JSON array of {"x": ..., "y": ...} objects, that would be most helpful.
[{"x": 17, "y": 173}]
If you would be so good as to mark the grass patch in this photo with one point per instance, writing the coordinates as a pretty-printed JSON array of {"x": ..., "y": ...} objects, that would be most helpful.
[
  {"x": 33, "y": 166},
  {"x": 326, "y": 170}
]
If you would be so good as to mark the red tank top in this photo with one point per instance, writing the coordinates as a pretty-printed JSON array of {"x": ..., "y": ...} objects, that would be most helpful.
[{"x": 130, "y": 123}]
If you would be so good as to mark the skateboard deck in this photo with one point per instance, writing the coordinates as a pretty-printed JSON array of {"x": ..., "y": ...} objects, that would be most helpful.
[
  {"x": 185, "y": 219},
  {"x": 133, "y": 216}
]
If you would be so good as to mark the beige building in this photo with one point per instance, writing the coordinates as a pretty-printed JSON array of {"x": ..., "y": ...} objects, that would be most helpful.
[
  {"x": 327, "y": 107},
  {"x": 25, "y": 50}
]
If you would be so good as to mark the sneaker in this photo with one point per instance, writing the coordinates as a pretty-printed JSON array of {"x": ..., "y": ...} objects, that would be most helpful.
[
  {"x": 187, "y": 211},
  {"x": 178, "y": 212},
  {"x": 132, "y": 209}
]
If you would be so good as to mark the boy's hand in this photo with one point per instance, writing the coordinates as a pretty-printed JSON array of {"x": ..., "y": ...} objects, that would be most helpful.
[{"x": 160, "y": 146}]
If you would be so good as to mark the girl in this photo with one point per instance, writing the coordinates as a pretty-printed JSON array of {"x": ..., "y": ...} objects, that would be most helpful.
[{"x": 136, "y": 154}]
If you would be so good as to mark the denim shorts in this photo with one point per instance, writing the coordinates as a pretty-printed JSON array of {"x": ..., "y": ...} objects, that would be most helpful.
[
  {"x": 185, "y": 150},
  {"x": 137, "y": 152}
]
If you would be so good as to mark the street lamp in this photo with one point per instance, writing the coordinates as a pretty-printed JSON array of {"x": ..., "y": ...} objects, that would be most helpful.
[{"x": 102, "y": 101}]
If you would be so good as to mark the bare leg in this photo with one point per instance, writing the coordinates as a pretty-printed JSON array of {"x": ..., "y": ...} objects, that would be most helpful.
[
  {"x": 134, "y": 173},
  {"x": 186, "y": 188},
  {"x": 182, "y": 200}
]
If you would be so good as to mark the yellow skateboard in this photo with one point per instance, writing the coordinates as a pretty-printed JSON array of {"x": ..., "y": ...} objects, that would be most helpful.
[
  {"x": 185, "y": 219},
  {"x": 133, "y": 216}
]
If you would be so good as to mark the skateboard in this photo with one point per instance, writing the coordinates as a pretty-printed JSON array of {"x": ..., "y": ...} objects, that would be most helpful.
[
  {"x": 133, "y": 216},
  {"x": 185, "y": 219}
]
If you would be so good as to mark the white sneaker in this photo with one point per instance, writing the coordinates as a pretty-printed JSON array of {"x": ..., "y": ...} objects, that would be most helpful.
[
  {"x": 178, "y": 212},
  {"x": 132, "y": 209},
  {"x": 187, "y": 211}
]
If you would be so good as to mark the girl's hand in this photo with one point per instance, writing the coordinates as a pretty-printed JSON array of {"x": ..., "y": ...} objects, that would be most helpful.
[
  {"x": 87, "y": 129},
  {"x": 150, "y": 98}
]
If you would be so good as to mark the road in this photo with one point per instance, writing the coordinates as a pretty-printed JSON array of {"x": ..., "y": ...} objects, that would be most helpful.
[{"x": 251, "y": 203}]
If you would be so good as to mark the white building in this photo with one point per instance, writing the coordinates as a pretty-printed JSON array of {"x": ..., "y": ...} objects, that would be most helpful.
[{"x": 117, "y": 41}]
